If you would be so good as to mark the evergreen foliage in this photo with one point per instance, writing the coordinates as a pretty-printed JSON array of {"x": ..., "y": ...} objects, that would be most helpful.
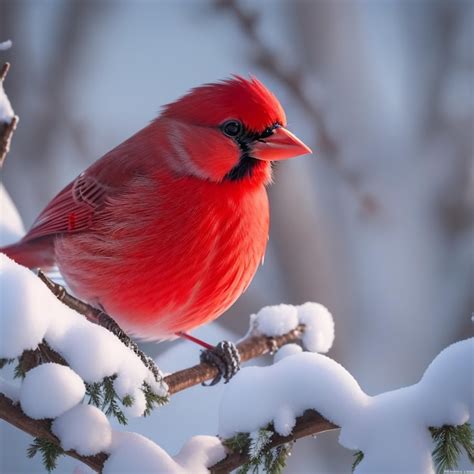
[
  {"x": 449, "y": 443},
  {"x": 271, "y": 460},
  {"x": 50, "y": 452},
  {"x": 358, "y": 456},
  {"x": 4, "y": 362}
]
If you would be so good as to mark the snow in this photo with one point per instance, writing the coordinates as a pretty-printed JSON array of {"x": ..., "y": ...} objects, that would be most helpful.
[
  {"x": 49, "y": 390},
  {"x": 5, "y": 45},
  {"x": 85, "y": 429},
  {"x": 287, "y": 350},
  {"x": 22, "y": 323},
  {"x": 6, "y": 110},
  {"x": 390, "y": 428},
  {"x": 319, "y": 327},
  {"x": 132, "y": 452},
  {"x": 11, "y": 226},
  {"x": 277, "y": 320},
  {"x": 254, "y": 397},
  {"x": 200, "y": 452},
  {"x": 90, "y": 350}
]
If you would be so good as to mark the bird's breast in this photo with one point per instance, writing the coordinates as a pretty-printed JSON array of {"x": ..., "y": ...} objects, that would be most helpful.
[{"x": 172, "y": 256}]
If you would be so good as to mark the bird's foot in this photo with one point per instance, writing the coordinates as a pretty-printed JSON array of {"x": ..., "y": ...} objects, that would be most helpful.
[
  {"x": 225, "y": 357},
  {"x": 108, "y": 323}
]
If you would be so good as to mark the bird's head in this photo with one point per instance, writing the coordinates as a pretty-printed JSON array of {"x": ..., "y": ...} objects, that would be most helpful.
[{"x": 229, "y": 131}]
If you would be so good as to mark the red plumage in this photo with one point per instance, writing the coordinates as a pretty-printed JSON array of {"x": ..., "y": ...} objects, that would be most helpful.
[{"x": 167, "y": 230}]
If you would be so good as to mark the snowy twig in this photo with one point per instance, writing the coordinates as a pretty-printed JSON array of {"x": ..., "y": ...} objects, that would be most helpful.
[
  {"x": 309, "y": 424},
  {"x": 99, "y": 317},
  {"x": 12, "y": 413},
  {"x": 265, "y": 58},
  {"x": 249, "y": 348},
  {"x": 6, "y": 127}
]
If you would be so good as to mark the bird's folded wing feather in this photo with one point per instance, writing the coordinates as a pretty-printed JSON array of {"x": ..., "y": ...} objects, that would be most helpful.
[{"x": 72, "y": 209}]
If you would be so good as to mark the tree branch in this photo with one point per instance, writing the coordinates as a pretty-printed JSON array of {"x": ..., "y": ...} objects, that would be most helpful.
[
  {"x": 249, "y": 348},
  {"x": 11, "y": 413},
  {"x": 266, "y": 59},
  {"x": 6, "y": 129},
  {"x": 310, "y": 423}
]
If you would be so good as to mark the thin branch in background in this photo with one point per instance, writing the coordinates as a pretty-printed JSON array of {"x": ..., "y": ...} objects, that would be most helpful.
[
  {"x": 266, "y": 59},
  {"x": 6, "y": 129}
]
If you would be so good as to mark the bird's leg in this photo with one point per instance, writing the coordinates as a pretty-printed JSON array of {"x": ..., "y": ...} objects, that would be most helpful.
[{"x": 225, "y": 357}]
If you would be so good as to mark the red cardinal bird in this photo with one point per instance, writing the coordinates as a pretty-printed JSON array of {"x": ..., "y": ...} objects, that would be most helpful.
[{"x": 167, "y": 230}]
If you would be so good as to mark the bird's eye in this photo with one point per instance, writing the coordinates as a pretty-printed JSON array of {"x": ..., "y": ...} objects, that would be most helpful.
[{"x": 232, "y": 128}]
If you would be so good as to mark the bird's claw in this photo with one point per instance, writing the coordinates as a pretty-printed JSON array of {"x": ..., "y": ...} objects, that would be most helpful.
[{"x": 225, "y": 357}]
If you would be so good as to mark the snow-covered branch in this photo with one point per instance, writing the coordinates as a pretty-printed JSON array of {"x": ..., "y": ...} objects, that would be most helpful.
[
  {"x": 8, "y": 119},
  {"x": 302, "y": 393},
  {"x": 13, "y": 414},
  {"x": 391, "y": 429},
  {"x": 64, "y": 357}
]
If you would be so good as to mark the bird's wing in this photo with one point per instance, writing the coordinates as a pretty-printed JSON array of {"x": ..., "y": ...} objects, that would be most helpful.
[{"x": 72, "y": 209}]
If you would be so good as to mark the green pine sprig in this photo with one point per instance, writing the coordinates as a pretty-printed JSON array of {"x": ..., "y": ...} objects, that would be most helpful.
[
  {"x": 255, "y": 446},
  {"x": 50, "y": 452},
  {"x": 449, "y": 442},
  {"x": 4, "y": 362}
]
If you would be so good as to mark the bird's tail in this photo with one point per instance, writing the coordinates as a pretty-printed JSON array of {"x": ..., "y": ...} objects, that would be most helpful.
[{"x": 32, "y": 254}]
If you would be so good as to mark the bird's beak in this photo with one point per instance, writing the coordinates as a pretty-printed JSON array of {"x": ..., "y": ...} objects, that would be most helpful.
[{"x": 281, "y": 145}]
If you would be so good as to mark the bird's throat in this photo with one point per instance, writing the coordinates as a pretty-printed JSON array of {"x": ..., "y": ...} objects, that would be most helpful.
[{"x": 244, "y": 169}]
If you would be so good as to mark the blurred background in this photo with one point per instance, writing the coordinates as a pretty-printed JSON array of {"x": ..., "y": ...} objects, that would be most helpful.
[{"x": 376, "y": 224}]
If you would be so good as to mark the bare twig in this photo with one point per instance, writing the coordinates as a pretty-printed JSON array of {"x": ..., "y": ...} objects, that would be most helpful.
[
  {"x": 6, "y": 129},
  {"x": 248, "y": 349},
  {"x": 4, "y": 71}
]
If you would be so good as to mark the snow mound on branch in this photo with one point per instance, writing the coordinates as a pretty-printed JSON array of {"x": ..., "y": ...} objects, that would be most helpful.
[
  {"x": 29, "y": 313},
  {"x": 277, "y": 320},
  {"x": 11, "y": 225},
  {"x": 280, "y": 319},
  {"x": 199, "y": 453},
  {"x": 22, "y": 324},
  {"x": 319, "y": 327},
  {"x": 391, "y": 429},
  {"x": 49, "y": 390},
  {"x": 85, "y": 429},
  {"x": 257, "y": 396},
  {"x": 131, "y": 452},
  {"x": 287, "y": 350}
]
